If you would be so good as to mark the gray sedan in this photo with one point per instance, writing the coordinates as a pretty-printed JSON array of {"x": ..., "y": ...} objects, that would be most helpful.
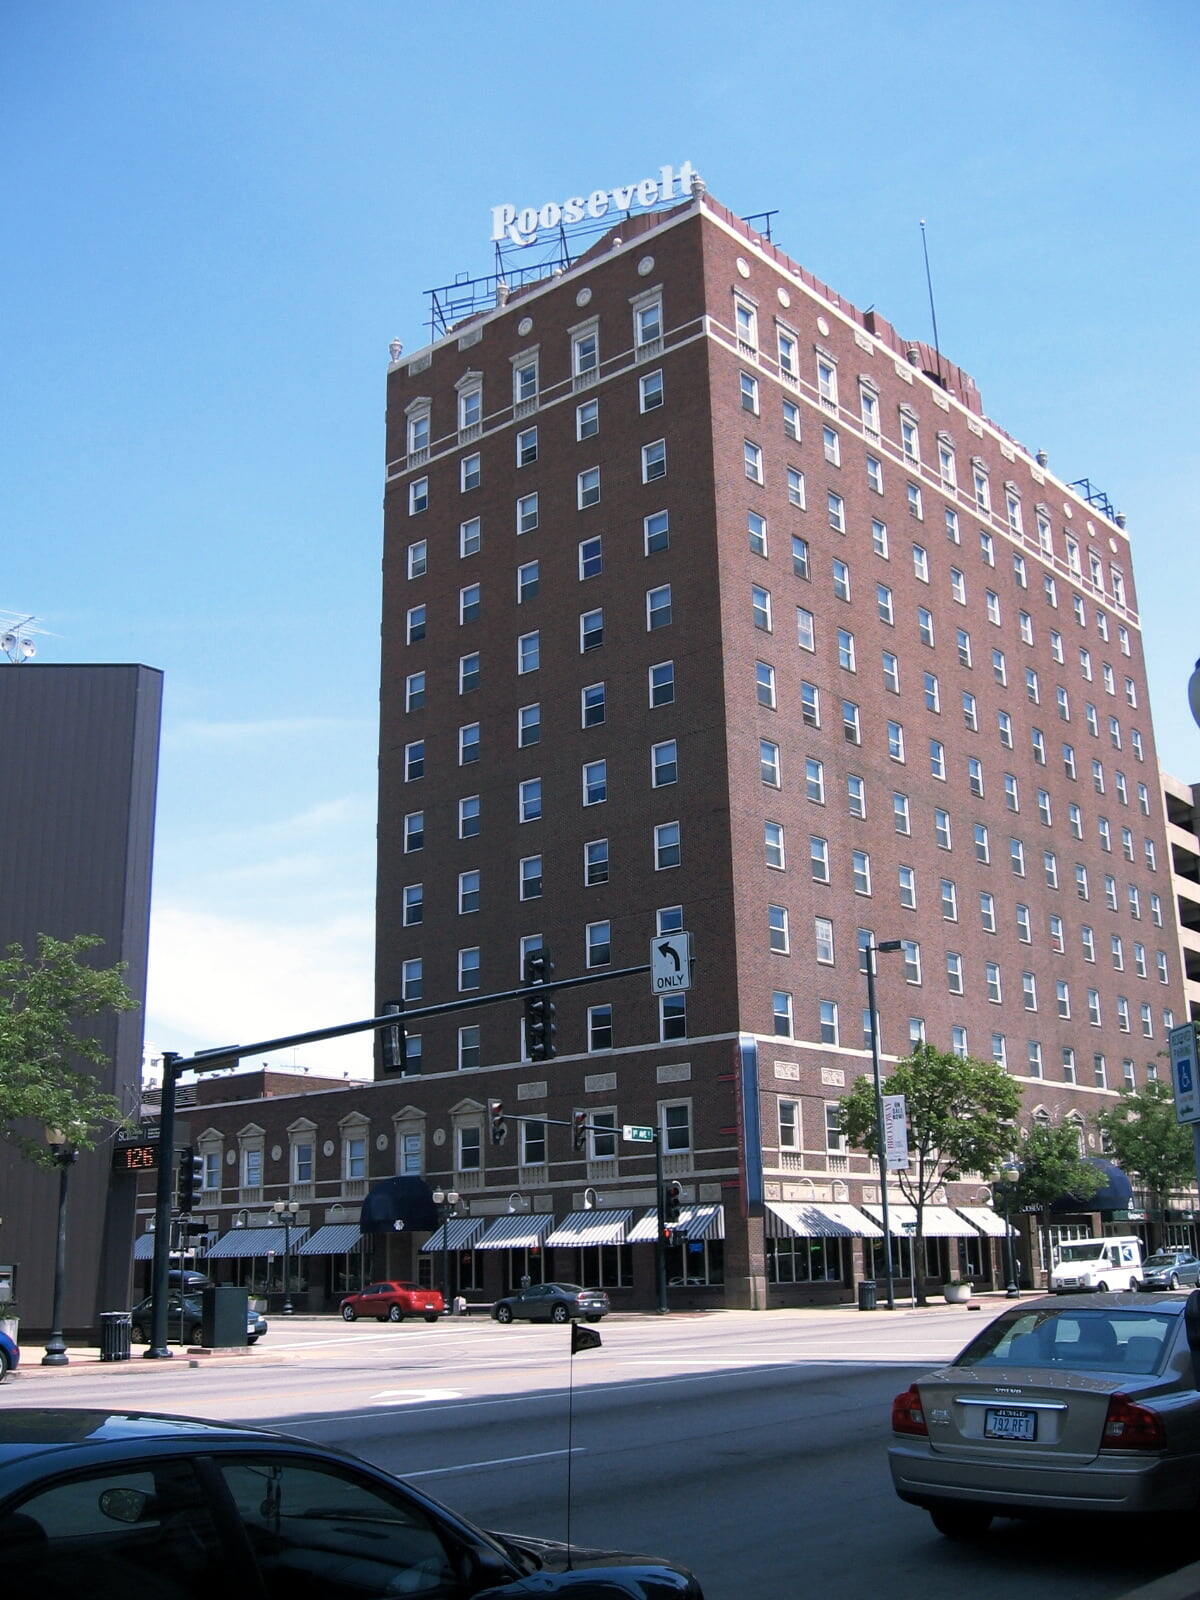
[
  {"x": 552, "y": 1302},
  {"x": 1170, "y": 1269},
  {"x": 1089, "y": 1407}
]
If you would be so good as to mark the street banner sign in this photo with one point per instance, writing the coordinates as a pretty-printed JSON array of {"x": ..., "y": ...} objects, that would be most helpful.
[
  {"x": 1185, "y": 1072},
  {"x": 637, "y": 1133},
  {"x": 895, "y": 1132},
  {"x": 671, "y": 963}
]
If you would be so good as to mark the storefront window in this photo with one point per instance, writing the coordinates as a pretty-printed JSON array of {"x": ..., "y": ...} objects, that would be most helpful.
[
  {"x": 601, "y": 1266},
  {"x": 693, "y": 1262},
  {"x": 793, "y": 1260}
]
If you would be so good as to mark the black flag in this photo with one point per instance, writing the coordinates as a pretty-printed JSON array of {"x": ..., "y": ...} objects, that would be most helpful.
[{"x": 584, "y": 1338}]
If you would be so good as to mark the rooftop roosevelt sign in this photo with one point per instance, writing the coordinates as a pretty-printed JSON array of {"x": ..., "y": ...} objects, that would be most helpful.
[{"x": 523, "y": 226}]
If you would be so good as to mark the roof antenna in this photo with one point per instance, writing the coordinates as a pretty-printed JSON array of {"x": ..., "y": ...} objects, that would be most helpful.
[{"x": 932, "y": 308}]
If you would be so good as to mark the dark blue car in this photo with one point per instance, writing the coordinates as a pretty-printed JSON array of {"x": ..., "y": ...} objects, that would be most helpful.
[{"x": 170, "y": 1508}]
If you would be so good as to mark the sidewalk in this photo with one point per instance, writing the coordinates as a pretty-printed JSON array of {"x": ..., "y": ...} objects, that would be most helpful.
[{"x": 86, "y": 1358}]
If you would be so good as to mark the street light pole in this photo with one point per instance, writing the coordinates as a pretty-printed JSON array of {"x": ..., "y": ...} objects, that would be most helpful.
[
  {"x": 1010, "y": 1172},
  {"x": 286, "y": 1211},
  {"x": 65, "y": 1155},
  {"x": 889, "y": 1271},
  {"x": 446, "y": 1201}
]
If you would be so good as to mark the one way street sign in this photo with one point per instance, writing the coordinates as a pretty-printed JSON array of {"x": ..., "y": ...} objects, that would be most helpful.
[{"x": 671, "y": 963}]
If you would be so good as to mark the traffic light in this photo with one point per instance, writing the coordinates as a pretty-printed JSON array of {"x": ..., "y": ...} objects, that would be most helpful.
[
  {"x": 540, "y": 1027},
  {"x": 190, "y": 1180},
  {"x": 579, "y": 1123},
  {"x": 496, "y": 1117},
  {"x": 672, "y": 1196},
  {"x": 391, "y": 1042}
]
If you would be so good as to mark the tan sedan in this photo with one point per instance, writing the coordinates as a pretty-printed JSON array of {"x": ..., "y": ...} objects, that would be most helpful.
[{"x": 1084, "y": 1406}]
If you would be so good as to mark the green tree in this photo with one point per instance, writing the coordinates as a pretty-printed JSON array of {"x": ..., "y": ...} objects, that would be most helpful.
[
  {"x": 1051, "y": 1167},
  {"x": 44, "y": 1052},
  {"x": 1147, "y": 1139},
  {"x": 960, "y": 1113}
]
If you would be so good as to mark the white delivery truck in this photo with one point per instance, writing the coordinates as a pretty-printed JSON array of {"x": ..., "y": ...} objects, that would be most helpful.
[{"x": 1097, "y": 1264}]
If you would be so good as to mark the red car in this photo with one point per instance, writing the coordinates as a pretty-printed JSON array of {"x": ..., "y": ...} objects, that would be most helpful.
[{"x": 392, "y": 1302}]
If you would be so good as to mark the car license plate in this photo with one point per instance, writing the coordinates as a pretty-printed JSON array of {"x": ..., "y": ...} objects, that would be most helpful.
[{"x": 1009, "y": 1424}]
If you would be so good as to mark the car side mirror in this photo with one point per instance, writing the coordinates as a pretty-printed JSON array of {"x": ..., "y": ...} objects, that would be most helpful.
[
  {"x": 1191, "y": 1322},
  {"x": 124, "y": 1505}
]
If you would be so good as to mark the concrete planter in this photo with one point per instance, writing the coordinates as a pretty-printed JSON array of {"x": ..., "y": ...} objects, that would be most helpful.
[{"x": 956, "y": 1294}]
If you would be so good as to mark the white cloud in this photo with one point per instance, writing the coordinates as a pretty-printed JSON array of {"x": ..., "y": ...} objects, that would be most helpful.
[{"x": 217, "y": 980}]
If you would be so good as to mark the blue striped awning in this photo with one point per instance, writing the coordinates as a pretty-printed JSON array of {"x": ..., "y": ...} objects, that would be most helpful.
[
  {"x": 458, "y": 1233},
  {"x": 240, "y": 1243},
  {"x": 143, "y": 1247},
  {"x": 592, "y": 1227},
  {"x": 695, "y": 1222},
  {"x": 521, "y": 1232},
  {"x": 332, "y": 1239}
]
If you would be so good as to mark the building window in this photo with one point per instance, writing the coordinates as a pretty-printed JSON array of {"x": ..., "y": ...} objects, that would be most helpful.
[
  {"x": 530, "y": 881},
  {"x": 595, "y": 782},
  {"x": 777, "y": 929},
  {"x": 529, "y": 652},
  {"x": 752, "y": 459},
  {"x": 656, "y": 533},
  {"x": 412, "y": 979},
  {"x": 416, "y": 624},
  {"x": 414, "y": 691},
  {"x": 413, "y": 907},
  {"x": 468, "y": 744},
  {"x": 654, "y": 461},
  {"x": 414, "y": 760},
  {"x": 901, "y": 813},
  {"x": 527, "y": 513},
  {"x": 591, "y": 558},
  {"x": 837, "y": 512},
  {"x": 658, "y": 607},
  {"x": 650, "y": 391},
  {"x": 664, "y": 765},
  {"x": 468, "y": 816},
  {"x": 781, "y": 1013},
  {"x": 814, "y": 778},
  {"x": 529, "y": 726},
  {"x": 764, "y": 684},
  {"x": 667, "y": 847},
  {"x": 773, "y": 845},
  {"x": 595, "y": 862},
  {"x": 418, "y": 563},
  {"x": 795, "y": 492},
  {"x": 827, "y": 1013},
  {"x": 529, "y": 800},
  {"x": 414, "y": 831},
  {"x": 592, "y": 701},
  {"x": 672, "y": 1017},
  {"x": 591, "y": 630},
  {"x": 860, "y": 863},
  {"x": 662, "y": 683},
  {"x": 468, "y": 969},
  {"x": 818, "y": 857},
  {"x": 418, "y": 496},
  {"x": 791, "y": 419},
  {"x": 598, "y": 940}
]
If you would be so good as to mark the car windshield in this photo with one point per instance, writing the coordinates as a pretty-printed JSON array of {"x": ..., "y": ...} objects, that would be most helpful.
[
  {"x": 1110, "y": 1341},
  {"x": 1165, "y": 1261},
  {"x": 1093, "y": 1251}
]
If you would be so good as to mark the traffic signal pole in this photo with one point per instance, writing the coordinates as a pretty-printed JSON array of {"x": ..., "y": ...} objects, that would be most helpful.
[{"x": 158, "y": 1349}]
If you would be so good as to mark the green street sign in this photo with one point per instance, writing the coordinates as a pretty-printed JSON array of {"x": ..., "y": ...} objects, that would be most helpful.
[{"x": 637, "y": 1133}]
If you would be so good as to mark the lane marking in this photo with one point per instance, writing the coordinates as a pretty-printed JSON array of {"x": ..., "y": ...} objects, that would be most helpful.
[
  {"x": 500, "y": 1461},
  {"x": 413, "y": 1397}
]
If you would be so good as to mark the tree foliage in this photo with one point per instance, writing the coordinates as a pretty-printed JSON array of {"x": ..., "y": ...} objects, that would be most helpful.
[
  {"x": 1149, "y": 1141},
  {"x": 1052, "y": 1167},
  {"x": 960, "y": 1115},
  {"x": 44, "y": 1050}
]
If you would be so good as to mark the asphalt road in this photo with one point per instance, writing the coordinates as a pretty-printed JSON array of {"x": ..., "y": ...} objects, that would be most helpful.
[{"x": 749, "y": 1447}]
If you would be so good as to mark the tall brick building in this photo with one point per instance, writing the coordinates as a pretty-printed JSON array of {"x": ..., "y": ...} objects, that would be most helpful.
[{"x": 711, "y": 603}]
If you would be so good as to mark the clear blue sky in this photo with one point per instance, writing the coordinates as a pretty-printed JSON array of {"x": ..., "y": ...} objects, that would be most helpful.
[{"x": 219, "y": 213}]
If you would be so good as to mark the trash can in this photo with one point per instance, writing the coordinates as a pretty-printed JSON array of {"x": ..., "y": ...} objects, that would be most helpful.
[
  {"x": 223, "y": 1316},
  {"x": 867, "y": 1291},
  {"x": 115, "y": 1335}
]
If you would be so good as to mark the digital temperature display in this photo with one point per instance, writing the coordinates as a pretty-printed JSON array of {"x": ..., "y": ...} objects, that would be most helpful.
[{"x": 135, "y": 1158}]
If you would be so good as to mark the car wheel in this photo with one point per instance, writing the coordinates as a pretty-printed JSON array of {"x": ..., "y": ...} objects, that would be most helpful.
[
  {"x": 593, "y": 1319},
  {"x": 503, "y": 1313},
  {"x": 961, "y": 1522},
  {"x": 195, "y": 1334},
  {"x": 1101, "y": 1287},
  {"x": 251, "y": 1338},
  {"x": 1174, "y": 1283},
  {"x": 137, "y": 1333},
  {"x": 431, "y": 1316},
  {"x": 349, "y": 1314},
  {"x": 395, "y": 1314},
  {"x": 560, "y": 1313}
]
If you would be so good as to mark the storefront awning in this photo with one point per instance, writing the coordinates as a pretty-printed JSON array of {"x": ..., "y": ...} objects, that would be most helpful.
[
  {"x": 1114, "y": 1194},
  {"x": 810, "y": 1219},
  {"x": 521, "y": 1232},
  {"x": 592, "y": 1227},
  {"x": 458, "y": 1233},
  {"x": 986, "y": 1220},
  {"x": 143, "y": 1247},
  {"x": 937, "y": 1222},
  {"x": 695, "y": 1222},
  {"x": 239, "y": 1243},
  {"x": 398, "y": 1205},
  {"x": 332, "y": 1239}
]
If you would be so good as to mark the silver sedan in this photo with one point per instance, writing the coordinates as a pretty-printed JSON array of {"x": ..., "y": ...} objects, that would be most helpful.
[
  {"x": 1091, "y": 1406},
  {"x": 1170, "y": 1269}
]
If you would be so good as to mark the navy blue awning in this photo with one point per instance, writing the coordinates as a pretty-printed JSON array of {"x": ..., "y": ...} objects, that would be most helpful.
[
  {"x": 1115, "y": 1194},
  {"x": 403, "y": 1204}
]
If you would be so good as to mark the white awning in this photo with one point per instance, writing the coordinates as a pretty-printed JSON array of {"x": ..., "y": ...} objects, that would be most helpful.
[
  {"x": 938, "y": 1222},
  {"x": 695, "y": 1222},
  {"x": 987, "y": 1221},
  {"x": 244, "y": 1242},
  {"x": 457, "y": 1233},
  {"x": 520, "y": 1232},
  {"x": 811, "y": 1219},
  {"x": 592, "y": 1227},
  {"x": 332, "y": 1239}
]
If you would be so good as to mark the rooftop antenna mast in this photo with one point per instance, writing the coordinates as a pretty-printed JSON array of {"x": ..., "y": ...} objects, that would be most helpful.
[{"x": 932, "y": 308}]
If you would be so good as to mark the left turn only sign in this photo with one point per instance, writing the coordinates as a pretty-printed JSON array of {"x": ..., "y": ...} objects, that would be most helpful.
[{"x": 671, "y": 963}]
